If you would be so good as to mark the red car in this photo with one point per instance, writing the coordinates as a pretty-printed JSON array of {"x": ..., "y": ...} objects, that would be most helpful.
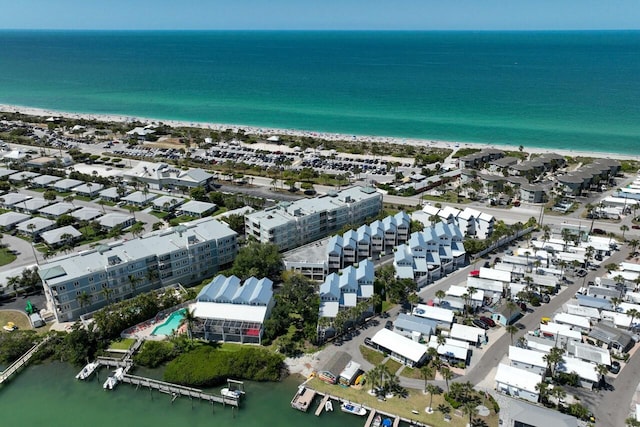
[{"x": 488, "y": 321}]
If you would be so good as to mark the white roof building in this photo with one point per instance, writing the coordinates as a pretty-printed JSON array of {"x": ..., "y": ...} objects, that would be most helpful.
[
  {"x": 112, "y": 220},
  {"x": 524, "y": 358},
  {"x": 196, "y": 208},
  {"x": 139, "y": 198},
  {"x": 585, "y": 370},
  {"x": 409, "y": 351},
  {"x": 66, "y": 184},
  {"x": 466, "y": 333},
  {"x": 45, "y": 180},
  {"x": 571, "y": 319},
  {"x": 11, "y": 199},
  {"x": 579, "y": 310},
  {"x": 58, "y": 209},
  {"x": 452, "y": 348},
  {"x": 589, "y": 353},
  {"x": 33, "y": 205},
  {"x": 39, "y": 225},
  {"x": 621, "y": 320},
  {"x": 88, "y": 189},
  {"x": 86, "y": 214},
  {"x": 9, "y": 219},
  {"x": 517, "y": 382},
  {"x": 493, "y": 274},
  {"x": 440, "y": 315},
  {"x": 54, "y": 237},
  {"x": 167, "y": 202}
]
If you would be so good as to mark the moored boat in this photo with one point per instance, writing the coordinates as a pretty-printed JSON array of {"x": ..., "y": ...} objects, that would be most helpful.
[
  {"x": 87, "y": 371},
  {"x": 231, "y": 394},
  {"x": 352, "y": 408},
  {"x": 114, "y": 379},
  {"x": 328, "y": 406},
  {"x": 377, "y": 421}
]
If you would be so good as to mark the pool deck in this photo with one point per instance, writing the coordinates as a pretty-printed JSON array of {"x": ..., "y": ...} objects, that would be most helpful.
[{"x": 145, "y": 329}]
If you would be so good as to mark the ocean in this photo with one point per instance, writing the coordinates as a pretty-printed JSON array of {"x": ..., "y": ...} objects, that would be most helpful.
[
  {"x": 49, "y": 395},
  {"x": 565, "y": 90}
]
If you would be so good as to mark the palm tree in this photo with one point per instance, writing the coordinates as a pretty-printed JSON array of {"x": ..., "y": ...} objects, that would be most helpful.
[
  {"x": 558, "y": 393},
  {"x": 446, "y": 375},
  {"x": 543, "y": 391},
  {"x": 84, "y": 299},
  {"x": 546, "y": 233},
  {"x": 69, "y": 199},
  {"x": 101, "y": 202},
  {"x": 134, "y": 281},
  {"x": 633, "y": 313},
  {"x": 432, "y": 389},
  {"x": 478, "y": 422},
  {"x": 470, "y": 407},
  {"x": 427, "y": 373},
  {"x": 511, "y": 330},
  {"x": 602, "y": 371},
  {"x": 624, "y": 228},
  {"x": 440, "y": 294},
  {"x": 553, "y": 358},
  {"x": 190, "y": 319},
  {"x": 444, "y": 408},
  {"x": 413, "y": 299},
  {"x": 107, "y": 292}
]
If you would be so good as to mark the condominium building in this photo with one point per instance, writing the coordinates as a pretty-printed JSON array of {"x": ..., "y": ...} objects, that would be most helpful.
[
  {"x": 92, "y": 279},
  {"x": 293, "y": 224}
]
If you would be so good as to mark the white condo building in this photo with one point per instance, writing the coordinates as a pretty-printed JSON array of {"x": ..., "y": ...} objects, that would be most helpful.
[
  {"x": 293, "y": 224},
  {"x": 117, "y": 271}
]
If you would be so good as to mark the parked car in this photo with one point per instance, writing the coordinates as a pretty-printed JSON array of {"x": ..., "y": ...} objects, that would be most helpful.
[
  {"x": 368, "y": 342},
  {"x": 480, "y": 324},
  {"x": 488, "y": 321},
  {"x": 389, "y": 324},
  {"x": 598, "y": 231},
  {"x": 635, "y": 227},
  {"x": 522, "y": 306},
  {"x": 615, "y": 367}
]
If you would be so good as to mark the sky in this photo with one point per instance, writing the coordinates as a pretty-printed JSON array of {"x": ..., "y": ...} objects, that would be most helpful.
[{"x": 320, "y": 14}]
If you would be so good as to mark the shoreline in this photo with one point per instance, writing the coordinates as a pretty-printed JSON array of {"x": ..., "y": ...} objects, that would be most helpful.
[{"x": 327, "y": 136}]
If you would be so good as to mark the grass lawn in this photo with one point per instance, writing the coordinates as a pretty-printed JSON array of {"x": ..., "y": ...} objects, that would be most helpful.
[
  {"x": 159, "y": 215},
  {"x": 372, "y": 356},
  {"x": 416, "y": 400},
  {"x": 393, "y": 365},
  {"x": 17, "y": 317},
  {"x": 413, "y": 373},
  {"x": 6, "y": 256},
  {"x": 83, "y": 198},
  {"x": 122, "y": 344}
]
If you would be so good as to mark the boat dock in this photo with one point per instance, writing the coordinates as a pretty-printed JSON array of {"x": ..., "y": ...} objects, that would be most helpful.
[
  {"x": 372, "y": 415},
  {"x": 303, "y": 398},
  {"x": 24, "y": 359},
  {"x": 177, "y": 390},
  {"x": 305, "y": 395},
  {"x": 322, "y": 404}
]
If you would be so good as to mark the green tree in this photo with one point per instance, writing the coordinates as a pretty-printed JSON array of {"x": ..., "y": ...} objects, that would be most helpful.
[
  {"x": 511, "y": 330},
  {"x": 198, "y": 193},
  {"x": 49, "y": 195},
  {"x": 190, "y": 320},
  {"x": 427, "y": 373},
  {"x": 624, "y": 228},
  {"x": 432, "y": 389},
  {"x": 84, "y": 299},
  {"x": 543, "y": 391},
  {"x": 558, "y": 393},
  {"x": 446, "y": 376},
  {"x": 470, "y": 408},
  {"x": 553, "y": 359},
  {"x": 258, "y": 260}
]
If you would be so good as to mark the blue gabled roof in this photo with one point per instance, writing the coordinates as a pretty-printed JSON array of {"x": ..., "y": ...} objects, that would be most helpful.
[
  {"x": 389, "y": 223},
  {"x": 350, "y": 239},
  {"x": 365, "y": 271},
  {"x": 227, "y": 289},
  {"x": 589, "y": 301},
  {"x": 262, "y": 292},
  {"x": 330, "y": 286},
  {"x": 348, "y": 281},
  {"x": 364, "y": 234},
  {"x": 415, "y": 323},
  {"x": 402, "y": 218},
  {"x": 335, "y": 245},
  {"x": 376, "y": 228},
  {"x": 442, "y": 229}
]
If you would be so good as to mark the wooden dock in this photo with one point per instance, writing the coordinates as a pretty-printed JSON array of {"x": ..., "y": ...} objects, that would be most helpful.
[
  {"x": 303, "y": 398},
  {"x": 177, "y": 390},
  {"x": 372, "y": 415},
  {"x": 372, "y": 411},
  {"x": 24, "y": 359},
  {"x": 323, "y": 402}
]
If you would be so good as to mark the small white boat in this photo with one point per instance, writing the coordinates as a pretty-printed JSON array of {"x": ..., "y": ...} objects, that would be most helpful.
[
  {"x": 377, "y": 421},
  {"x": 352, "y": 408},
  {"x": 114, "y": 379},
  {"x": 232, "y": 394},
  {"x": 328, "y": 406},
  {"x": 87, "y": 371}
]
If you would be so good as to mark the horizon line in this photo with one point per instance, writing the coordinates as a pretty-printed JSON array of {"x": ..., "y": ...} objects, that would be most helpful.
[{"x": 323, "y": 30}]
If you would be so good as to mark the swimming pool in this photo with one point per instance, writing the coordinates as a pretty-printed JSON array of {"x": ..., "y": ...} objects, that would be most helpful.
[{"x": 172, "y": 323}]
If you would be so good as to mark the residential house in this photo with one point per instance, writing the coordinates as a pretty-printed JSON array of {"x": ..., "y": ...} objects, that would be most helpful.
[
  {"x": 66, "y": 185},
  {"x": 529, "y": 360},
  {"x": 197, "y": 209},
  {"x": 61, "y": 236},
  {"x": 518, "y": 382},
  {"x": 139, "y": 198},
  {"x": 89, "y": 189},
  {"x": 113, "y": 220},
  {"x": 400, "y": 348}
]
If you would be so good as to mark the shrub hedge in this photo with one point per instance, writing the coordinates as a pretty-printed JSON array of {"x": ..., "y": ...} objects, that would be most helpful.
[{"x": 206, "y": 366}]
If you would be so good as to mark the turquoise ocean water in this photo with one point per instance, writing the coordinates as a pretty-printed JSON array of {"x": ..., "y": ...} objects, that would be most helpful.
[{"x": 569, "y": 90}]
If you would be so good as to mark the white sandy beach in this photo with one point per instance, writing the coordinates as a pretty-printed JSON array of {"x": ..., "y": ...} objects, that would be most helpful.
[{"x": 266, "y": 132}]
